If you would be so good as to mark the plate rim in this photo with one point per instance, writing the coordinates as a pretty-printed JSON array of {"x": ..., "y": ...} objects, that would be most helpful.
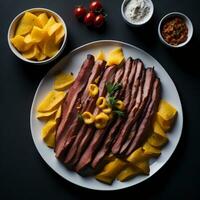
[{"x": 66, "y": 57}]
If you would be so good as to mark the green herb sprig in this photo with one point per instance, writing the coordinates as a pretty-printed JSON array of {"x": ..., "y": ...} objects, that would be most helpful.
[{"x": 112, "y": 89}]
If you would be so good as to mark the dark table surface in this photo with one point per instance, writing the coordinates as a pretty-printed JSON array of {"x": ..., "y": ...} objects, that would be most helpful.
[{"x": 23, "y": 173}]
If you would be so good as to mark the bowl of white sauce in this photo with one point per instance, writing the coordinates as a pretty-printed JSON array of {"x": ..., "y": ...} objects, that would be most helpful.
[{"x": 137, "y": 12}]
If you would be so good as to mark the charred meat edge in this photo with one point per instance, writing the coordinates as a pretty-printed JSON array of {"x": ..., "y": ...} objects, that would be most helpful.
[
  {"x": 69, "y": 111},
  {"x": 100, "y": 134}
]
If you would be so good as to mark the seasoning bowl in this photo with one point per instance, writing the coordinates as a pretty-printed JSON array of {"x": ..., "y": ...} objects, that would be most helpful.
[
  {"x": 13, "y": 26},
  {"x": 140, "y": 22},
  {"x": 185, "y": 19}
]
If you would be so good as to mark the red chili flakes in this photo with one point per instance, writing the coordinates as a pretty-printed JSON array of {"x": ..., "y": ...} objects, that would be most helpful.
[{"x": 174, "y": 31}]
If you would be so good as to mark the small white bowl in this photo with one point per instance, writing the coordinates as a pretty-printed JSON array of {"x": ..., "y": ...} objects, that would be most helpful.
[
  {"x": 142, "y": 22},
  {"x": 187, "y": 22},
  {"x": 12, "y": 28}
]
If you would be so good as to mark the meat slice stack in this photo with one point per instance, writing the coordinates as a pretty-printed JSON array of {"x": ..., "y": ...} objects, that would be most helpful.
[{"x": 79, "y": 145}]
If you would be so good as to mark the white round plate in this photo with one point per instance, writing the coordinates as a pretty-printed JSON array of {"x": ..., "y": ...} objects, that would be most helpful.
[{"x": 72, "y": 63}]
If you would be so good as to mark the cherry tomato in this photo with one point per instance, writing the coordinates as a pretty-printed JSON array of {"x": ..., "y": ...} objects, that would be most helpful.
[
  {"x": 80, "y": 12},
  {"x": 95, "y": 6},
  {"x": 89, "y": 19},
  {"x": 99, "y": 21}
]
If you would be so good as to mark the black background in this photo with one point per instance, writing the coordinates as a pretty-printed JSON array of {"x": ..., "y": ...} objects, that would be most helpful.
[{"x": 23, "y": 173}]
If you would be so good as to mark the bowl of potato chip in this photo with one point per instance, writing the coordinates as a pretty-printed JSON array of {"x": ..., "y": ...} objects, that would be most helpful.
[{"x": 37, "y": 35}]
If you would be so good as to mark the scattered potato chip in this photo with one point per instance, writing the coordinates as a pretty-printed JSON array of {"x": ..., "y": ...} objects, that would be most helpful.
[
  {"x": 58, "y": 113},
  {"x": 100, "y": 56},
  {"x": 150, "y": 150},
  {"x": 63, "y": 81},
  {"x": 137, "y": 156},
  {"x": 32, "y": 53},
  {"x": 143, "y": 166},
  {"x": 50, "y": 139},
  {"x": 59, "y": 35},
  {"x": 52, "y": 29},
  {"x": 166, "y": 115},
  {"x": 158, "y": 138},
  {"x": 43, "y": 19},
  {"x": 128, "y": 173},
  {"x": 18, "y": 42},
  {"x": 103, "y": 178},
  {"x": 45, "y": 115},
  {"x": 111, "y": 170},
  {"x": 48, "y": 128},
  {"x": 115, "y": 57},
  {"x": 51, "y": 101},
  {"x": 26, "y": 23}
]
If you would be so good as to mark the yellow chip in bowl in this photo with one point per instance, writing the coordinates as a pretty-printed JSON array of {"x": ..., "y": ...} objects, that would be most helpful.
[
  {"x": 59, "y": 34},
  {"x": 43, "y": 19},
  {"x": 26, "y": 24}
]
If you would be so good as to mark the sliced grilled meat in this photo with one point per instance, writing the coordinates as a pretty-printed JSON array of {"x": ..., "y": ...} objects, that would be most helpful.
[
  {"x": 147, "y": 119},
  {"x": 100, "y": 134},
  {"x": 141, "y": 100},
  {"x": 69, "y": 111}
]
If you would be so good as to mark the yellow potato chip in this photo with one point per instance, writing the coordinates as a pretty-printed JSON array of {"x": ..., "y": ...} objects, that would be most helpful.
[
  {"x": 43, "y": 19},
  {"x": 37, "y": 34},
  {"x": 58, "y": 113},
  {"x": 29, "y": 40},
  {"x": 59, "y": 35},
  {"x": 46, "y": 115},
  {"x": 143, "y": 166},
  {"x": 50, "y": 23},
  {"x": 63, "y": 81},
  {"x": 115, "y": 57},
  {"x": 19, "y": 44},
  {"x": 26, "y": 24},
  {"x": 137, "y": 156},
  {"x": 50, "y": 48},
  {"x": 48, "y": 128},
  {"x": 150, "y": 150},
  {"x": 103, "y": 178},
  {"x": 50, "y": 139},
  {"x": 52, "y": 29},
  {"x": 32, "y": 53},
  {"x": 51, "y": 101},
  {"x": 128, "y": 173},
  {"x": 40, "y": 56},
  {"x": 111, "y": 170},
  {"x": 166, "y": 115},
  {"x": 100, "y": 56}
]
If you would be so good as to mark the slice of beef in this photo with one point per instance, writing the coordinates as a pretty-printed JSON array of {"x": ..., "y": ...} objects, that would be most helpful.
[
  {"x": 69, "y": 111},
  {"x": 141, "y": 133},
  {"x": 86, "y": 100},
  {"x": 135, "y": 75},
  {"x": 141, "y": 100},
  {"x": 133, "y": 131},
  {"x": 100, "y": 134},
  {"x": 86, "y": 131}
]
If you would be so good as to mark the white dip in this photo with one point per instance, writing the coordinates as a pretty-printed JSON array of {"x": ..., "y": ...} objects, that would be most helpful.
[{"x": 137, "y": 10}]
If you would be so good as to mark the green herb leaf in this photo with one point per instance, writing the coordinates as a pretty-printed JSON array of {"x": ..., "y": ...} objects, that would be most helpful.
[
  {"x": 112, "y": 88},
  {"x": 112, "y": 101},
  {"x": 80, "y": 117},
  {"x": 119, "y": 113}
]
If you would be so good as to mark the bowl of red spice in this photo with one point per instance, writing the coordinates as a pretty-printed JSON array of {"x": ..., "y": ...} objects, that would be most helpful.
[{"x": 175, "y": 30}]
